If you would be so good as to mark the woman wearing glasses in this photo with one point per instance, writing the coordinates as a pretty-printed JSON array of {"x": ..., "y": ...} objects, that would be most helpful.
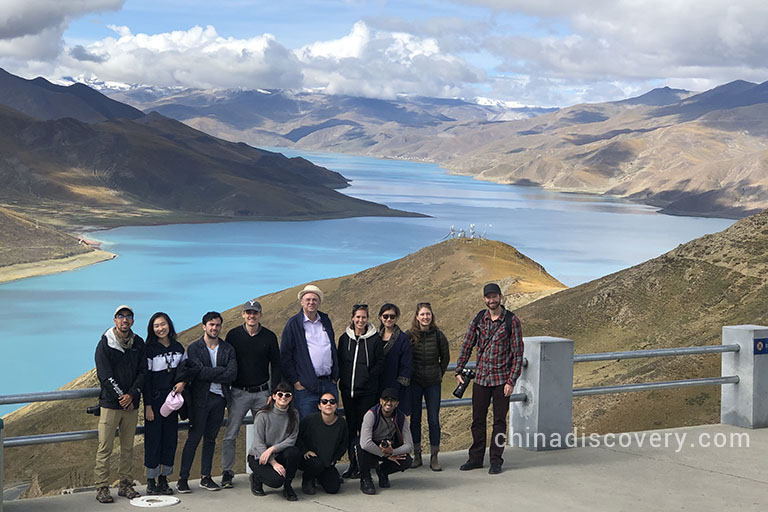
[
  {"x": 361, "y": 358},
  {"x": 398, "y": 363},
  {"x": 273, "y": 457},
  {"x": 429, "y": 348}
]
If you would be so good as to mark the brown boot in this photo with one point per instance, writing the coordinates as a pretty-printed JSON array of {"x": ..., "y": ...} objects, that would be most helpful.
[
  {"x": 416, "y": 456},
  {"x": 434, "y": 464}
]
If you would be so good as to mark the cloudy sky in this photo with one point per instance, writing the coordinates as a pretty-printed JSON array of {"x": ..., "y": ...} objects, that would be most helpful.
[{"x": 532, "y": 52}]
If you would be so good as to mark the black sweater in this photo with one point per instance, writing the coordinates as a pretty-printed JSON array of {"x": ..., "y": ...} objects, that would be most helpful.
[
  {"x": 256, "y": 355},
  {"x": 329, "y": 442}
]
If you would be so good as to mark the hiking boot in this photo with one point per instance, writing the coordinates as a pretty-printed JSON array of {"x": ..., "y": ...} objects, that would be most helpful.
[
  {"x": 126, "y": 489},
  {"x": 288, "y": 491},
  {"x": 103, "y": 495},
  {"x": 469, "y": 465},
  {"x": 226, "y": 480},
  {"x": 495, "y": 469},
  {"x": 366, "y": 485},
  {"x": 208, "y": 484},
  {"x": 383, "y": 479},
  {"x": 256, "y": 487},
  {"x": 152, "y": 489},
  {"x": 162, "y": 485},
  {"x": 183, "y": 486}
]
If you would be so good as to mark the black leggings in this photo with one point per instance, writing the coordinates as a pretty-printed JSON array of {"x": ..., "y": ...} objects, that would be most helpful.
[
  {"x": 267, "y": 475},
  {"x": 328, "y": 476}
]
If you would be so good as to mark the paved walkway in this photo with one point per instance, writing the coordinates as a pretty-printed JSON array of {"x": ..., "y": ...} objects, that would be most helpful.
[{"x": 685, "y": 475}]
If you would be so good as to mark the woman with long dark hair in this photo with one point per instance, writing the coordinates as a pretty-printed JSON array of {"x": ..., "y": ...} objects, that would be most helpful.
[
  {"x": 164, "y": 355},
  {"x": 398, "y": 362},
  {"x": 274, "y": 457},
  {"x": 361, "y": 358},
  {"x": 429, "y": 348}
]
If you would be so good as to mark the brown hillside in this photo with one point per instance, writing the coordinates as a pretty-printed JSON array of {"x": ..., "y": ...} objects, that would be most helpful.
[
  {"x": 449, "y": 275},
  {"x": 25, "y": 241},
  {"x": 682, "y": 298}
]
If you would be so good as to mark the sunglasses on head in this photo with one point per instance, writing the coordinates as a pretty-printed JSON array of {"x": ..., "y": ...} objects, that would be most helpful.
[
  {"x": 326, "y": 401},
  {"x": 360, "y": 306},
  {"x": 423, "y": 305},
  {"x": 283, "y": 394},
  {"x": 387, "y": 316}
]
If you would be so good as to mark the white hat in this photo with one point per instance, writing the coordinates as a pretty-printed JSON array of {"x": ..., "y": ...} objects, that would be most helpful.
[{"x": 310, "y": 288}]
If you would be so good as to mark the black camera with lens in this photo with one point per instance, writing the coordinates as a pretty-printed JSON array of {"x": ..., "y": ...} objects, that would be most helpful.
[
  {"x": 94, "y": 409},
  {"x": 467, "y": 374}
]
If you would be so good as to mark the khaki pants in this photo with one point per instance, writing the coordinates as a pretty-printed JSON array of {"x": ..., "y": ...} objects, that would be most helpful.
[{"x": 109, "y": 421}]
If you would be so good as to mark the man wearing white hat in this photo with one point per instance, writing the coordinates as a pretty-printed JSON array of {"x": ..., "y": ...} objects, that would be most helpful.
[
  {"x": 120, "y": 367},
  {"x": 308, "y": 352}
]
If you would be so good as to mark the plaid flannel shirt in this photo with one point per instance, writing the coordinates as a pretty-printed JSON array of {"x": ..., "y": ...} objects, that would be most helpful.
[{"x": 499, "y": 352}]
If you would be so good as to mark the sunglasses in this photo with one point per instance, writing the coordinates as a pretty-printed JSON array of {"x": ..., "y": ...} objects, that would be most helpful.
[
  {"x": 123, "y": 317},
  {"x": 423, "y": 305},
  {"x": 360, "y": 306},
  {"x": 280, "y": 394},
  {"x": 326, "y": 401},
  {"x": 386, "y": 316}
]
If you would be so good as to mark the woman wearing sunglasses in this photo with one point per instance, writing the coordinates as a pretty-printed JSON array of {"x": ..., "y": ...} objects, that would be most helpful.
[
  {"x": 429, "y": 348},
  {"x": 361, "y": 358},
  {"x": 398, "y": 363},
  {"x": 273, "y": 457}
]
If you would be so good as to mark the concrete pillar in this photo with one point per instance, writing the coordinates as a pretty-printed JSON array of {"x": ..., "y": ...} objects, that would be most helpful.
[
  {"x": 745, "y": 404},
  {"x": 544, "y": 420},
  {"x": 250, "y": 436}
]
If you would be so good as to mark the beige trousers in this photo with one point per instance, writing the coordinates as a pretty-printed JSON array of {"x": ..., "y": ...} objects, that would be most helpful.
[{"x": 109, "y": 421}]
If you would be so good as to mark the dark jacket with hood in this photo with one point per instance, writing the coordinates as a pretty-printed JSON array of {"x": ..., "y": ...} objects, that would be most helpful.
[
  {"x": 120, "y": 370},
  {"x": 296, "y": 364},
  {"x": 430, "y": 356},
  {"x": 361, "y": 360}
]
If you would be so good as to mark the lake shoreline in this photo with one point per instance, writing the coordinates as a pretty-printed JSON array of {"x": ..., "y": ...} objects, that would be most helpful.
[{"x": 45, "y": 267}]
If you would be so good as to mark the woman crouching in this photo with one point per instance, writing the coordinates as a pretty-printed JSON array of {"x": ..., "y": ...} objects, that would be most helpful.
[{"x": 274, "y": 458}]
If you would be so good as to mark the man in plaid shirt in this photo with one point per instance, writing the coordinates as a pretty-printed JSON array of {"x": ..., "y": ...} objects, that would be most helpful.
[{"x": 499, "y": 339}]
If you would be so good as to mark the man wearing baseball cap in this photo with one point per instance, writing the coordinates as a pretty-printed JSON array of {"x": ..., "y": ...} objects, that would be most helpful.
[
  {"x": 308, "y": 352},
  {"x": 385, "y": 442},
  {"x": 120, "y": 367},
  {"x": 499, "y": 337},
  {"x": 258, "y": 357}
]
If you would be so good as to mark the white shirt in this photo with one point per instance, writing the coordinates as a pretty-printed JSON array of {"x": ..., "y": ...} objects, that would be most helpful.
[
  {"x": 319, "y": 345},
  {"x": 215, "y": 386}
]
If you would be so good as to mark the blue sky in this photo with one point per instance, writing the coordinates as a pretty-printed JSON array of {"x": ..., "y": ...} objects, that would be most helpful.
[{"x": 533, "y": 52}]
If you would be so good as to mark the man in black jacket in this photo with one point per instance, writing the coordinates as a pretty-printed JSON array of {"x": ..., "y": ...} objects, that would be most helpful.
[
  {"x": 210, "y": 366},
  {"x": 120, "y": 367}
]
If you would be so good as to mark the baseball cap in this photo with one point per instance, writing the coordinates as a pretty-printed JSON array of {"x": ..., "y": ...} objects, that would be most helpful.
[
  {"x": 491, "y": 288},
  {"x": 123, "y": 306},
  {"x": 252, "y": 305}
]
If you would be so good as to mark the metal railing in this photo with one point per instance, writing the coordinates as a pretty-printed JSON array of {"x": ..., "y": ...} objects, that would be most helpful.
[{"x": 648, "y": 386}]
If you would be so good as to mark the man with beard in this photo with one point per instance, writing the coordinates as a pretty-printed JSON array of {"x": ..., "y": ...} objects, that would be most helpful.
[{"x": 499, "y": 339}]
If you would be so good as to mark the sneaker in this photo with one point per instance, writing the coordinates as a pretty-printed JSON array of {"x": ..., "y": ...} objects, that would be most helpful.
[
  {"x": 495, "y": 469},
  {"x": 366, "y": 485},
  {"x": 257, "y": 489},
  {"x": 183, "y": 486},
  {"x": 162, "y": 486},
  {"x": 226, "y": 480},
  {"x": 208, "y": 484},
  {"x": 352, "y": 472},
  {"x": 126, "y": 489},
  {"x": 383, "y": 479},
  {"x": 469, "y": 465},
  {"x": 152, "y": 489},
  {"x": 103, "y": 495}
]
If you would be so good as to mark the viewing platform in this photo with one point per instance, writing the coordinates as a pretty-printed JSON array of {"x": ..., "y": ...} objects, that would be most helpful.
[{"x": 682, "y": 473}]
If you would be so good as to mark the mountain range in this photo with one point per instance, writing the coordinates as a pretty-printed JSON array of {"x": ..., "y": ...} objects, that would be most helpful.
[
  {"x": 70, "y": 155},
  {"x": 691, "y": 154}
]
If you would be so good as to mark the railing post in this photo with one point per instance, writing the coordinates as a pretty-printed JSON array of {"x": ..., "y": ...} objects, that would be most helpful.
[
  {"x": 2, "y": 439},
  {"x": 745, "y": 404},
  {"x": 544, "y": 421},
  {"x": 250, "y": 437}
]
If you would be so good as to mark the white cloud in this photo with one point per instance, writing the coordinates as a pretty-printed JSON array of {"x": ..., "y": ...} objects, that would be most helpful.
[{"x": 33, "y": 29}]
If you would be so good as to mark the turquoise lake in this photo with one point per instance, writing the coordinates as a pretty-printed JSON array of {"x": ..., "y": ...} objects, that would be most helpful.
[{"x": 51, "y": 324}]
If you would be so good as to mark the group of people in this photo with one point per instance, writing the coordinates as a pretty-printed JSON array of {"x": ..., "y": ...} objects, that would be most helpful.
[{"x": 292, "y": 389}]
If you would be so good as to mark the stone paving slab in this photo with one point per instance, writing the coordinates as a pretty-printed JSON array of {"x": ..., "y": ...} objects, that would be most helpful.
[{"x": 684, "y": 475}]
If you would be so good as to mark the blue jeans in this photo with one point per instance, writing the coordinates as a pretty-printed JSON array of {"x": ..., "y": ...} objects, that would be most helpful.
[
  {"x": 431, "y": 396},
  {"x": 306, "y": 401}
]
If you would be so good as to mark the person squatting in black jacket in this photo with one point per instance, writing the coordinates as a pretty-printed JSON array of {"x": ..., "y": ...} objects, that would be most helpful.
[
  {"x": 361, "y": 359},
  {"x": 164, "y": 354},
  {"x": 323, "y": 439},
  {"x": 120, "y": 367}
]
